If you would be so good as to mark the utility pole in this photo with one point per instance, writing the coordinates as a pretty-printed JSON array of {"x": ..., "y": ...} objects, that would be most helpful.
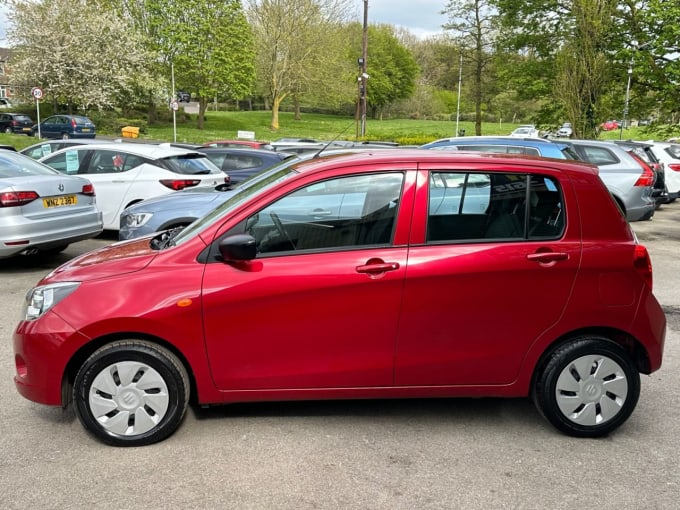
[
  {"x": 460, "y": 81},
  {"x": 364, "y": 75}
]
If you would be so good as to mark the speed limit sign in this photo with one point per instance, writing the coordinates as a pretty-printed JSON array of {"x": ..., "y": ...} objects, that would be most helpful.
[
  {"x": 174, "y": 105},
  {"x": 37, "y": 92}
]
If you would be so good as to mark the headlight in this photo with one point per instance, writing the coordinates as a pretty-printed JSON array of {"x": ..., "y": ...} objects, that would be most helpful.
[
  {"x": 40, "y": 299},
  {"x": 136, "y": 220}
]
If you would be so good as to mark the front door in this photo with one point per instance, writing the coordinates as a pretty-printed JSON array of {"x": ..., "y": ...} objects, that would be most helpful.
[{"x": 319, "y": 306}]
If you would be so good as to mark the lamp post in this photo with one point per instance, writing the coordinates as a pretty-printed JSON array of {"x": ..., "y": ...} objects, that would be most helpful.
[
  {"x": 625, "y": 106},
  {"x": 364, "y": 76},
  {"x": 636, "y": 46}
]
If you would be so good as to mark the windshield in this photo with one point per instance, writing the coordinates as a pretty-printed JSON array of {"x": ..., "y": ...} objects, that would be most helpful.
[
  {"x": 247, "y": 189},
  {"x": 17, "y": 165},
  {"x": 191, "y": 164}
]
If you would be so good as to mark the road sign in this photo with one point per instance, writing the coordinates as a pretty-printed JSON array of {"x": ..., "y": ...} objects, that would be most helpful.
[
  {"x": 174, "y": 105},
  {"x": 37, "y": 92}
]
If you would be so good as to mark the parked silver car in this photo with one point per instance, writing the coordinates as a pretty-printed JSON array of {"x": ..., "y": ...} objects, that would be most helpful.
[
  {"x": 630, "y": 183},
  {"x": 41, "y": 210}
]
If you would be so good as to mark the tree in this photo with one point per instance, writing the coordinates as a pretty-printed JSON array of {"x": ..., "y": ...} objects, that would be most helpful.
[
  {"x": 473, "y": 23},
  {"x": 209, "y": 44},
  {"x": 298, "y": 45},
  {"x": 79, "y": 52}
]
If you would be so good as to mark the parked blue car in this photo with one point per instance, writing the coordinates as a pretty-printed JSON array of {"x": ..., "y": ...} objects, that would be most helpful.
[
  {"x": 506, "y": 144},
  {"x": 65, "y": 127}
]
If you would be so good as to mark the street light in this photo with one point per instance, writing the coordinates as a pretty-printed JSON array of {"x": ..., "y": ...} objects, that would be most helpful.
[{"x": 630, "y": 74}]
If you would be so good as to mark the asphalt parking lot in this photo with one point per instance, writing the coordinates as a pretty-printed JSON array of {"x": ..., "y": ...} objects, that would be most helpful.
[{"x": 416, "y": 454}]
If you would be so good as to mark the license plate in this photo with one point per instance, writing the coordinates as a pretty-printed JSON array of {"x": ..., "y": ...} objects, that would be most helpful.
[
  {"x": 85, "y": 130},
  {"x": 27, "y": 129},
  {"x": 60, "y": 201}
]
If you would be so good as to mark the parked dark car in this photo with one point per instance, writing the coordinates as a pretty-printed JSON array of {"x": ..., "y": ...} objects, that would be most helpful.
[
  {"x": 65, "y": 126},
  {"x": 241, "y": 163},
  {"x": 17, "y": 123},
  {"x": 183, "y": 97}
]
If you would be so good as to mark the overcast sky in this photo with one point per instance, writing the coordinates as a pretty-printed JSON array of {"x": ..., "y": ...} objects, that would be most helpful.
[{"x": 420, "y": 17}]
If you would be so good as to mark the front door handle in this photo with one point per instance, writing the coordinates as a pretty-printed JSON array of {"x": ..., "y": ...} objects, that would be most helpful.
[{"x": 377, "y": 267}]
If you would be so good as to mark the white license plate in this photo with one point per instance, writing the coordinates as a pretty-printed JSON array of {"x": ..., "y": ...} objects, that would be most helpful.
[{"x": 60, "y": 201}]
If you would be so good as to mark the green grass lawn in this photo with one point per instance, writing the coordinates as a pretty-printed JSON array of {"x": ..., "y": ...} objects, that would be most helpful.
[{"x": 225, "y": 125}]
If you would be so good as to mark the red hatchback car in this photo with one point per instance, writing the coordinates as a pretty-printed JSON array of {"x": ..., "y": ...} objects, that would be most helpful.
[{"x": 384, "y": 274}]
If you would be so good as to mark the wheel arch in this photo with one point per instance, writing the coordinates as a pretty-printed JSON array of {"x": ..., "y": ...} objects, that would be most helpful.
[
  {"x": 629, "y": 343},
  {"x": 90, "y": 347}
]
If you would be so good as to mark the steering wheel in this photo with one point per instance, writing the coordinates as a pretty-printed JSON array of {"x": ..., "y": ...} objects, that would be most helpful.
[{"x": 279, "y": 227}]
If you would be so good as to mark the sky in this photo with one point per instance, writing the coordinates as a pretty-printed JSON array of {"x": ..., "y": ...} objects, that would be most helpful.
[{"x": 421, "y": 17}]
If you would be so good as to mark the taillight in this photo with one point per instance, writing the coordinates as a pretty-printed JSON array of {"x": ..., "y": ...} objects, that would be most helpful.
[
  {"x": 179, "y": 184},
  {"x": 88, "y": 189},
  {"x": 17, "y": 198},
  {"x": 648, "y": 175},
  {"x": 643, "y": 264},
  {"x": 673, "y": 166}
]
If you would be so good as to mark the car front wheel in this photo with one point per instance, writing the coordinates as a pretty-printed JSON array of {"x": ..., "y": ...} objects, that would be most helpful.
[
  {"x": 131, "y": 393},
  {"x": 588, "y": 387}
]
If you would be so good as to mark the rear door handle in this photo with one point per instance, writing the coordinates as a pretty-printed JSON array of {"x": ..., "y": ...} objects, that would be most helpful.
[{"x": 548, "y": 256}]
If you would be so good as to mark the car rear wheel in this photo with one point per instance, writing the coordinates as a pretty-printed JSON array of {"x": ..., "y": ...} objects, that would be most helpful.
[
  {"x": 588, "y": 387},
  {"x": 64, "y": 136},
  {"x": 8, "y": 130},
  {"x": 131, "y": 393}
]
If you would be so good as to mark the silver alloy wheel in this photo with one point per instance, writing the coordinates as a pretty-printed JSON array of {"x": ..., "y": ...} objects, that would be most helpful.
[
  {"x": 591, "y": 390},
  {"x": 128, "y": 398}
]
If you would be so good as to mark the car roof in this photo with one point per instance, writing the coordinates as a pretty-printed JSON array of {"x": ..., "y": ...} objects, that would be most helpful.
[
  {"x": 151, "y": 151},
  {"x": 491, "y": 140},
  {"x": 243, "y": 150},
  {"x": 419, "y": 156}
]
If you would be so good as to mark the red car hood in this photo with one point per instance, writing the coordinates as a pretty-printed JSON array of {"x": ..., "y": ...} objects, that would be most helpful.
[{"x": 119, "y": 258}]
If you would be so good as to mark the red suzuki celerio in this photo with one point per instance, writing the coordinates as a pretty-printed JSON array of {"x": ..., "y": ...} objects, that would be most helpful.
[{"x": 384, "y": 274}]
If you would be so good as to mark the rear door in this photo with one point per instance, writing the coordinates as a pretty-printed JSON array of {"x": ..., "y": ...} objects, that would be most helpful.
[{"x": 482, "y": 286}]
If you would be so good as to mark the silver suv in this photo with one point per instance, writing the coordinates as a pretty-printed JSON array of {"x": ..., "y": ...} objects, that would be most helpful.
[{"x": 628, "y": 181}]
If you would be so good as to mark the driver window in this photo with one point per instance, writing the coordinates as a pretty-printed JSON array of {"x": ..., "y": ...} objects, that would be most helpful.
[{"x": 345, "y": 213}]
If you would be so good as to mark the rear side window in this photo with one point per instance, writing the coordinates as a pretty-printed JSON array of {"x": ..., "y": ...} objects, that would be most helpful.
[
  {"x": 674, "y": 151},
  {"x": 67, "y": 162},
  {"x": 491, "y": 207},
  {"x": 599, "y": 155}
]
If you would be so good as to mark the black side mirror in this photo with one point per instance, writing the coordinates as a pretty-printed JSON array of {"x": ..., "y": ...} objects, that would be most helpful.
[{"x": 238, "y": 248}]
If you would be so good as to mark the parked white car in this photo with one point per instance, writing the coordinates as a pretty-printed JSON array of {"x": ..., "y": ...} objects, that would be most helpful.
[
  {"x": 565, "y": 131},
  {"x": 526, "y": 130},
  {"x": 127, "y": 173},
  {"x": 668, "y": 153}
]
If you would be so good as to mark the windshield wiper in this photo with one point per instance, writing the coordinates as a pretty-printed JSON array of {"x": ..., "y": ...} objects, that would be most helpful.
[{"x": 166, "y": 239}]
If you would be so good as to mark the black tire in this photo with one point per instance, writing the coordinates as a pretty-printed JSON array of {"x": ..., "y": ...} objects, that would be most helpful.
[
  {"x": 588, "y": 387},
  {"x": 146, "y": 397}
]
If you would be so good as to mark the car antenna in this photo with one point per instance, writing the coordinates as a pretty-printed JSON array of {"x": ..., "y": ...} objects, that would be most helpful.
[{"x": 333, "y": 140}]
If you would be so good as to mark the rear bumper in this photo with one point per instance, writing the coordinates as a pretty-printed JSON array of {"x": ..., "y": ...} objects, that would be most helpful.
[{"x": 26, "y": 235}]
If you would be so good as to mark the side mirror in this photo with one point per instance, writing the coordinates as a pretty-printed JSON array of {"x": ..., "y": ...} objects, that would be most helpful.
[{"x": 238, "y": 248}]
